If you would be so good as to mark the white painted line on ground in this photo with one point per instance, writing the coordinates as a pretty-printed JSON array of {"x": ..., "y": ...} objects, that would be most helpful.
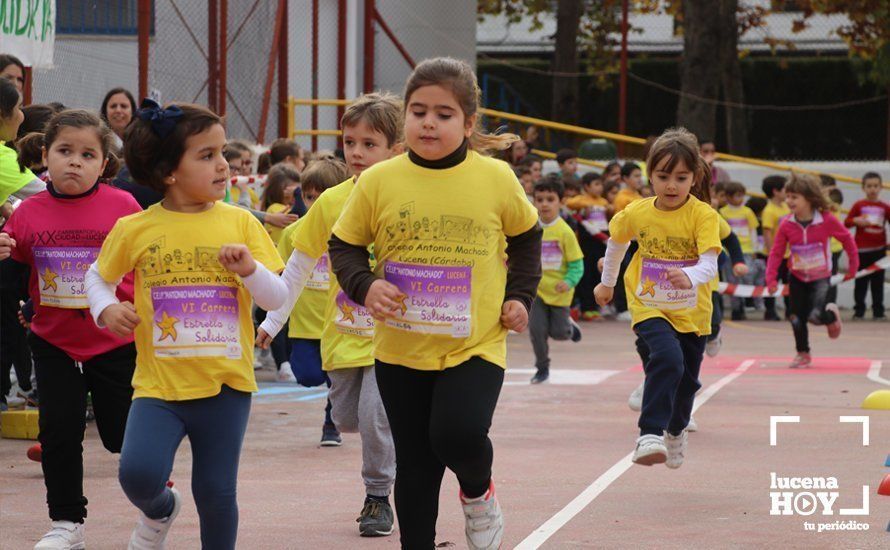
[
  {"x": 540, "y": 535},
  {"x": 874, "y": 373}
]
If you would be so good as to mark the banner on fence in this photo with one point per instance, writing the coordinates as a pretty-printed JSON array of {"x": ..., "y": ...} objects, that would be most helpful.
[{"x": 28, "y": 31}]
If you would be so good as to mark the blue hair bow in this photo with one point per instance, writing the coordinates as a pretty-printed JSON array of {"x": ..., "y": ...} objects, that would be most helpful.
[{"x": 163, "y": 121}]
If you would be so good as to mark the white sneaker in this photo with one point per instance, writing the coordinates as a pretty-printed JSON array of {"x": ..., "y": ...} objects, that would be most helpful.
[
  {"x": 676, "y": 449},
  {"x": 150, "y": 534},
  {"x": 650, "y": 450},
  {"x": 65, "y": 535},
  {"x": 692, "y": 426},
  {"x": 712, "y": 348},
  {"x": 484, "y": 521},
  {"x": 635, "y": 401},
  {"x": 624, "y": 316},
  {"x": 286, "y": 373}
]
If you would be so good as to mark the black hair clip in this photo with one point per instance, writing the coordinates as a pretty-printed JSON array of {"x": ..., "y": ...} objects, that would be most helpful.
[{"x": 163, "y": 121}]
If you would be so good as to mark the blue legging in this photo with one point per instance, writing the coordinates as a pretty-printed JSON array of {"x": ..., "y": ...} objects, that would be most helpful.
[{"x": 215, "y": 427}]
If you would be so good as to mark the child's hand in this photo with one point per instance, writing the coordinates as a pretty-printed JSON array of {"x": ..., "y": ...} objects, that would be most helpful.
[
  {"x": 514, "y": 316},
  {"x": 563, "y": 286},
  {"x": 740, "y": 270},
  {"x": 237, "y": 259},
  {"x": 600, "y": 263},
  {"x": 263, "y": 340},
  {"x": 7, "y": 243},
  {"x": 21, "y": 315},
  {"x": 382, "y": 299},
  {"x": 603, "y": 294},
  {"x": 120, "y": 318},
  {"x": 281, "y": 220},
  {"x": 678, "y": 278},
  {"x": 861, "y": 221},
  {"x": 772, "y": 288}
]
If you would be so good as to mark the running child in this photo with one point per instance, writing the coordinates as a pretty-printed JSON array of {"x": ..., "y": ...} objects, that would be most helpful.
[
  {"x": 191, "y": 320},
  {"x": 594, "y": 212},
  {"x": 562, "y": 264},
  {"x": 744, "y": 224},
  {"x": 807, "y": 232},
  {"x": 73, "y": 357},
  {"x": 442, "y": 219},
  {"x": 372, "y": 132},
  {"x": 668, "y": 284},
  {"x": 870, "y": 216}
]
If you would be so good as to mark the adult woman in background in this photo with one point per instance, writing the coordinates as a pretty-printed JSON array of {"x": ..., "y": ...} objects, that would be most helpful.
[{"x": 117, "y": 110}]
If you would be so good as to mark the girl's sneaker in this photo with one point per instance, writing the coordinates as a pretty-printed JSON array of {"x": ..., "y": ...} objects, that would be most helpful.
[
  {"x": 35, "y": 452},
  {"x": 150, "y": 534},
  {"x": 286, "y": 373},
  {"x": 834, "y": 328},
  {"x": 650, "y": 450},
  {"x": 64, "y": 535},
  {"x": 692, "y": 426},
  {"x": 676, "y": 449},
  {"x": 635, "y": 401},
  {"x": 801, "y": 361},
  {"x": 484, "y": 521}
]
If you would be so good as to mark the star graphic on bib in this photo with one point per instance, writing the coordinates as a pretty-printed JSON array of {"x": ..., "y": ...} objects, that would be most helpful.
[
  {"x": 49, "y": 279},
  {"x": 648, "y": 287},
  {"x": 347, "y": 310},
  {"x": 401, "y": 301},
  {"x": 167, "y": 325}
]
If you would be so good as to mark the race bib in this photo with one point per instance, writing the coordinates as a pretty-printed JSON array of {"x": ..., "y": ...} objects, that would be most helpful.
[
  {"x": 808, "y": 257},
  {"x": 595, "y": 222},
  {"x": 740, "y": 227},
  {"x": 656, "y": 291},
  {"x": 352, "y": 318},
  {"x": 759, "y": 244},
  {"x": 320, "y": 278},
  {"x": 196, "y": 321},
  {"x": 60, "y": 274},
  {"x": 874, "y": 215},
  {"x": 551, "y": 256},
  {"x": 435, "y": 300}
]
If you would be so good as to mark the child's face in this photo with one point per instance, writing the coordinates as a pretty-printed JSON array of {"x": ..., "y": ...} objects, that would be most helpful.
[
  {"x": 536, "y": 169},
  {"x": 798, "y": 204},
  {"x": 614, "y": 173},
  {"x": 569, "y": 167},
  {"x": 595, "y": 188},
  {"x": 610, "y": 196},
  {"x": 736, "y": 199},
  {"x": 872, "y": 188},
  {"x": 527, "y": 183},
  {"x": 9, "y": 127},
  {"x": 671, "y": 188},
  {"x": 548, "y": 204},
  {"x": 235, "y": 166},
  {"x": 309, "y": 196},
  {"x": 571, "y": 191},
  {"x": 779, "y": 195},
  {"x": 364, "y": 147},
  {"x": 75, "y": 160},
  {"x": 246, "y": 163},
  {"x": 518, "y": 151},
  {"x": 435, "y": 125},
  {"x": 203, "y": 171},
  {"x": 635, "y": 180}
]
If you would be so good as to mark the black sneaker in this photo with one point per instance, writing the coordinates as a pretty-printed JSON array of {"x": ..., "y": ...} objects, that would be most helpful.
[
  {"x": 376, "y": 519},
  {"x": 330, "y": 436},
  {"x": 576, "y": 330},
  {"x": 540, "y": 376},
  {"x": 771, "y": 316},
  {"x": 739, "y": 316}
]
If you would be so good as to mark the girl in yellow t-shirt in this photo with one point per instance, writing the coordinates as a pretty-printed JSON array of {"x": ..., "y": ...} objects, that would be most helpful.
[
  {"x": 278, "y": 197},
  {"x": 191, "y": 319},
  {"x": 668, "y": 285},
  {"x": 442, "y": 218}
]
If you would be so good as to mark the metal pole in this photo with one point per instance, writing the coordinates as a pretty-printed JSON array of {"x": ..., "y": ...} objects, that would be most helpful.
[
  {"x": 223, "y": 53},
  {"x": 314, "y": 62},
  {"x": 143, "y": 25},
  {"x": 622, "y": 86},
  {"x": 270, "y": 72},
  {"x": 212, "y": 57},
  {"x": 369, "y": 46},
  {"x": 341, "y": 55},
  {"x": 284, "y": 106}
]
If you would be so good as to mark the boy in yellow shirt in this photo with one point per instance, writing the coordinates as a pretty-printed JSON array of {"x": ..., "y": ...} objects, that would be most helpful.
[
  {"x": 744, "y": 224},
  {"x": 632, "y": 178},
  {"x": 773, "y": 213},
  {"x": 562, "y": 264}
]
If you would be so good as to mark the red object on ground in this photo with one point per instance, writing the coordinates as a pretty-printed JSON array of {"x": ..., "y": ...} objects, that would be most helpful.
[
  {"x": 35, "y": 452},
  {"x": 884, "y": 487}
]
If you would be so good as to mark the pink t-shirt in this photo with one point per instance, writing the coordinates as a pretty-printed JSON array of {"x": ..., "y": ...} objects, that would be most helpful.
[{"x": 59, "y": 238}]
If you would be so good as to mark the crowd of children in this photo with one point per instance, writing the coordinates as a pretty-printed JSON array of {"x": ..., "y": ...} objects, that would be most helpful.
[{"x": 390, "y": 271}]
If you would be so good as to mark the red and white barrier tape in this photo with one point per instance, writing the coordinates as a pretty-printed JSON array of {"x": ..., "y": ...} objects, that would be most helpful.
[
  {"x": 259, "y": 178},
  {"x": 752, "y": 291}
]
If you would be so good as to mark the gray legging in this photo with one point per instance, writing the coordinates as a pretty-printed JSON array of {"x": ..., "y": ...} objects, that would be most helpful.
[{"x": 215, "y": 427}]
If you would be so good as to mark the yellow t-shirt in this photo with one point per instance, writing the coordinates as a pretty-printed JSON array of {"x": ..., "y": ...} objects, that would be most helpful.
[
  {"x": 275, "y": 232},
  {"x": 593, "y": 210},
  {"x": 235, "y": 194},
  {"x": 439, "y": 235},
  {"x": 667, "y": 240},
  {"x": 559, "y": 247},
  {"x": 196, "y": 331},
  {"x": 744, "y": 224},
  {"x": 12, "y": 178},
  {"x": 624, "y": 198},
  {"x": 770, "y": 219},
  {"x": 346, "y": 337},
  {"x": 307, "y": 316}
]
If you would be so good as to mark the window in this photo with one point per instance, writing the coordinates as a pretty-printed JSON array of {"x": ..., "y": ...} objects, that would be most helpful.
[{"x": 103, "y": 17}]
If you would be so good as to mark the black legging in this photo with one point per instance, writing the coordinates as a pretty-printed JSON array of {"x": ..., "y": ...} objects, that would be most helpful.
[
  {"x": 808, "y": 305},
  {"x": 438, "y": 419}
]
